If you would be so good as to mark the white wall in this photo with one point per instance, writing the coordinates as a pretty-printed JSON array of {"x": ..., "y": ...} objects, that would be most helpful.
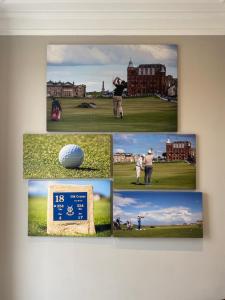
[{"x": 107, "y": 268}]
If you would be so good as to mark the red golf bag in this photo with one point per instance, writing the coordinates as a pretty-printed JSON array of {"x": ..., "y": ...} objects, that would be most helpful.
[{"x": 56, "y": 114}]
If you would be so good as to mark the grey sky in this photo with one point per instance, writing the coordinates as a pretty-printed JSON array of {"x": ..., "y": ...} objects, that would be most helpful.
[{"x": 91, "y": 64}]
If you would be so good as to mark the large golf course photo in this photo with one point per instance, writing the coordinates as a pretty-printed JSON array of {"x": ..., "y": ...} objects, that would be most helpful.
[
  {"x": 165, "y": 175},
  {"x": 140, "y": 114}
]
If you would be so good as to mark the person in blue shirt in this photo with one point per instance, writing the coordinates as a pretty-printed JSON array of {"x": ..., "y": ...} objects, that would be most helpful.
[{"x": 139, "y": 222}]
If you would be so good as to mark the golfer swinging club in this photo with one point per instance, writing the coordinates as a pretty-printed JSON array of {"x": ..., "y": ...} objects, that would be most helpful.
[
  {"x": 117, "y": 97},
  {"x": 139, "y": 222}
]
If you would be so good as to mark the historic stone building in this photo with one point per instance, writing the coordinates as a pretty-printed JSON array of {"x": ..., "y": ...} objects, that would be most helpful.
[
  {"x": 179, "y": 150},
  {"x": 171, "y": 86},
  {"x": 149, "y": 79},
  {"x": 123, "y": 158},
  {"x": 65, "y": 89}
]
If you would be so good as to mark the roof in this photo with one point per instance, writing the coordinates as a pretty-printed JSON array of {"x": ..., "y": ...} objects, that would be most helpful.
[{"x": 151, "y": 66}]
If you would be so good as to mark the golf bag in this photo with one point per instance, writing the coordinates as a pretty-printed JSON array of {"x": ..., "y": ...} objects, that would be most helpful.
[{"x": 56, "y": 114}]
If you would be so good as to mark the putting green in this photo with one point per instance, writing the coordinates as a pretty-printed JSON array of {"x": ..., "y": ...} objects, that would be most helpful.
[
  {"x": 140, "y": 114},
  {"x": 173, "y": 175}
]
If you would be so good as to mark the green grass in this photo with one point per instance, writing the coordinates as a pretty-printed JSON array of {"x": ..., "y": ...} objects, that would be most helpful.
[
  {"x": 41, "y": 152},
  {"x": 174, "y": 175},
  {"x": 140, "y": 114},
  {"x": 183, "y": 231},
  {"x": 37, "y": 217}
]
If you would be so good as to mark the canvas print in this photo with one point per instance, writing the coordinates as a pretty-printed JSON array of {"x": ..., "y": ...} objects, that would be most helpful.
[
  {"x": 157, "y": 214},
  {"x": 66, "y": 156},
  {"x": 112, "y": 88},
  {"x": 154, "y": 161},
  {"x": 69, "y": 207}
]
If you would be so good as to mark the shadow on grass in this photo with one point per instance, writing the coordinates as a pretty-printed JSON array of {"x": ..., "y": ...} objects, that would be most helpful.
[
  {"x": 137, "y": 183},
  {"x": 102, "y": 227},
  {"x": 84, "y": 169}
]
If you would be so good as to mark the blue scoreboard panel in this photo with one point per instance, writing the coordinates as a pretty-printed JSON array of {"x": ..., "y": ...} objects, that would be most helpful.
[{"x": 70, "y": 206}]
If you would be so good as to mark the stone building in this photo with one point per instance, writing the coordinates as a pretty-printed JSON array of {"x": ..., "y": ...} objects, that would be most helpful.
[
  {"x": 149, "y": 79},
  {"x": 171, "y": 86},
  {"x": 65, "y": 89},
  {"x": 179, "y": 150},
  {"x": 123, "y": 158}
]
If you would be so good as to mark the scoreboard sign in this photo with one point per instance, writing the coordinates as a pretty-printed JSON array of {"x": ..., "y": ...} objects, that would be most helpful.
[
  {"x": 70, "y": 206},
  {"x": 70, "y": 210}
]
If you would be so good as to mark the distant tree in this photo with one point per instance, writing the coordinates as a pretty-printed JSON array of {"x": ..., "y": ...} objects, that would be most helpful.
[{"x": 164, "y": 155}]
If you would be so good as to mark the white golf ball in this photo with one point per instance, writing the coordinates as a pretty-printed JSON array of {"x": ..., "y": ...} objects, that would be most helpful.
[{"x": 71, "y": 156}]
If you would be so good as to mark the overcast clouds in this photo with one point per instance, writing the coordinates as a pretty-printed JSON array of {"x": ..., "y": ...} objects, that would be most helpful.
[
  {"x": 111, "y": 54},
  {"x": 91, "y": 64}
]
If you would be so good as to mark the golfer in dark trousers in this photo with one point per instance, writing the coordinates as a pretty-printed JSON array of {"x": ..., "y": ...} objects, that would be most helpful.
[
  {"x": 117, "y": 97},
  {"x": 148, "y": 166}
]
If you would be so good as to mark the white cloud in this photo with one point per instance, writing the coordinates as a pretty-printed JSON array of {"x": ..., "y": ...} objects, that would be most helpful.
[
  {"x": 119, "y": 150},
  {"x": 56, "y": 54},
  {"x": 171, "y": 215},
  {"x": 160, "y": 52},
  {"x": 117, "y": 212},
  {"x": 161, "y": 216},
  {"x": 121, "y": 201},
  {"x": 125, "y": 139},
  {"x": 111, "y": 54}
]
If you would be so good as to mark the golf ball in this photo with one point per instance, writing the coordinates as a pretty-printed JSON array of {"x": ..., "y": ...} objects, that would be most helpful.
[{"x": 71, "y": 156}]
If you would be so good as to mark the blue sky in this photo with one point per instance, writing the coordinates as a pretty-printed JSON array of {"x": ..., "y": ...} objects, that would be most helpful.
[
  {"x": 158, "y": 208},
  {"x": 140, "y": 143},
  {"x": 91, "y": 64},
  {"x": 40, "y": 187}
]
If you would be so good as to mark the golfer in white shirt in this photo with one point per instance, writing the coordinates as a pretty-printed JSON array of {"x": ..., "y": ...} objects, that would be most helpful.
[{"x": 139, "y": 167}]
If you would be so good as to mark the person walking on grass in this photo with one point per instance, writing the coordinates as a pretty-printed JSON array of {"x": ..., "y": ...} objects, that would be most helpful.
[
  {"x": 117, "y": 97},
  {"x": 139, "y": 167},
  {"x": 148, "y": 161},
  {"x": 56, "y": 110}
]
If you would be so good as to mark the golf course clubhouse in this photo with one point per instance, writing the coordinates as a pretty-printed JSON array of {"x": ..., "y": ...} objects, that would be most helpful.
[
  {"x": 180, "y": 150},
  {"x": 150, "y": 79},
  {"x": 124, "y": 158},
  {"x": 175, "y": 151},
  {"x": 65, "y": 89}
]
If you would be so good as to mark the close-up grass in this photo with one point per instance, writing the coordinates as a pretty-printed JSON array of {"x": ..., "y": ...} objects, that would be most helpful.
[
  {"x": 140, "y": 114},
  {"x": 40, "y": 155},
  {"x": 37, "y": 217},
  {"x": 182, "y": 231},
  {"x": 171, "y": 175}
]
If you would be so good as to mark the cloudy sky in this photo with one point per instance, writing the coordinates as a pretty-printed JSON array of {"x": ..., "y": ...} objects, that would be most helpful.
[
  {"x": 39, "y": 188},
  {"x": 158, "y": 208},
  {"x": 140, "y": 143},
  {"x": 91, "y": 64}
]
